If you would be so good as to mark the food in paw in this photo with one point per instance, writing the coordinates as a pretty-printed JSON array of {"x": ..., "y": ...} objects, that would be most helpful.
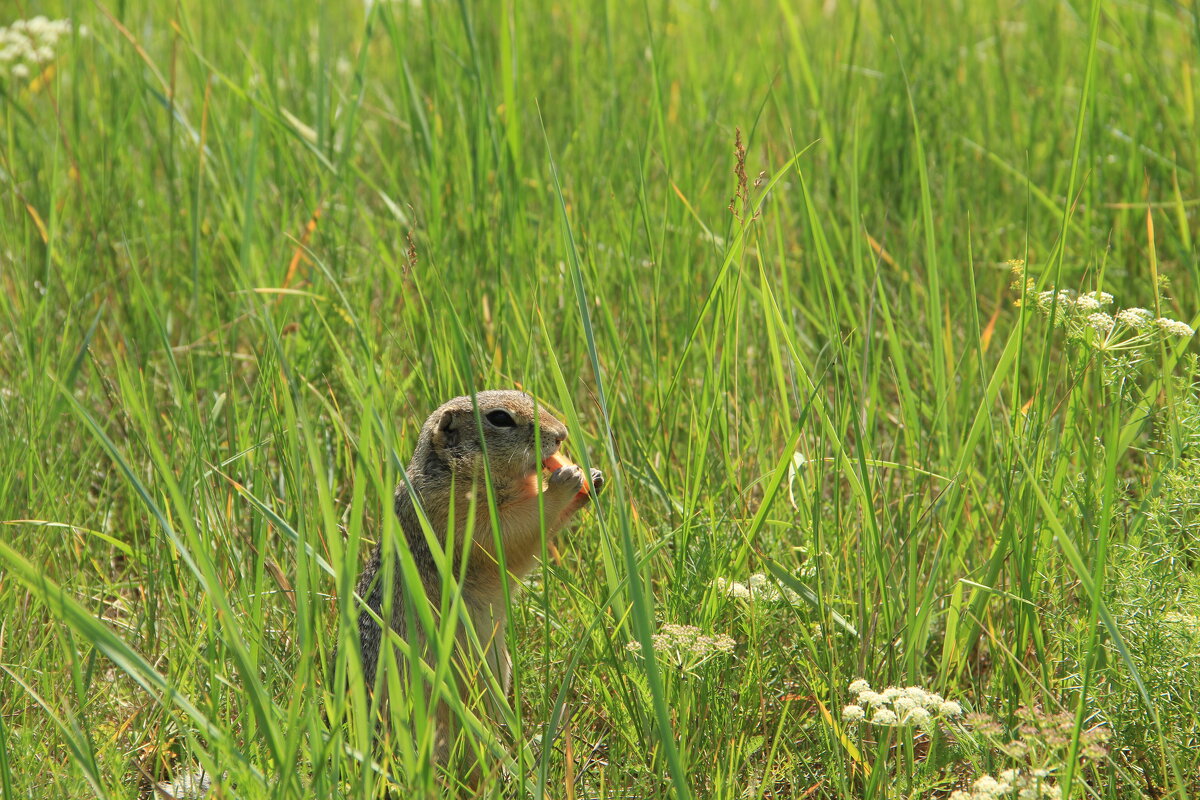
[{"x": 557, "y": 461}]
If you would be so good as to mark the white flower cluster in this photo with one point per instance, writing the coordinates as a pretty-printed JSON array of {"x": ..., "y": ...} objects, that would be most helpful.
[
  {"x": 1142, "y": 320},
  {"x": 27, "y": 44},
  {"x": 1173, "y": 327},
  {"x": 1093, "y": 301},
  {"x": 686, "y": 646},
  {"x": 895, "y": 706},
  {"x": 1137, "y": 318},
  {"x": 757, "y": 587},
  {"x": 1067, "y": 301},
  {"x": 1089, "y": 308},
  {"x": 1091, "y": 311},
  {"x": 1011, "y": 783}
]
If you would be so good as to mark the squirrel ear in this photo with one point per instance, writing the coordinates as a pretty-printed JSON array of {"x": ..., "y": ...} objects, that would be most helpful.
[{"x": 447, "y": 431}]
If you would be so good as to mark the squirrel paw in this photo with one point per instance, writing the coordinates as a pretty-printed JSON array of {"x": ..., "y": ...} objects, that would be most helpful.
[
  {"x": 597, "y": 481},
  {"x": 566, "y": 479}
]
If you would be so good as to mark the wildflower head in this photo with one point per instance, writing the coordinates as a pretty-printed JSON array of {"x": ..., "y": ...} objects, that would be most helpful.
[
  {"x": 918, "y": 716},
  {"x": 1136, "y": 318},
  {"x": 986, "y": 784},
  {"x": 1041, "y": 737},
  {"x": 1061, "y": 302},
  {"x": 26, "y": 44},
  {"x": 758, "y": 587},
  {"x": 949, "y": 708},
  {"x": 984, "y": 724},
  {"x": 1088, "y": 318},
  {"x": 911, "y": 705},
  {"x": 738, "y": 591},
  {"x": 1090, "y": 302},
  {"x": 853, "y": 713},
  {"x": 884, "y": 716},
  {"x": 1100, "y": 322},
  {"x": 1010, "y": 783},
  {"x": 686, "y": 646},
  {"x": 1173, "y": 327}
]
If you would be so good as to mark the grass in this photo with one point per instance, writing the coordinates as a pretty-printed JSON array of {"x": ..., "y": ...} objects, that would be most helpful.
[{"x": 245, "y": 251}]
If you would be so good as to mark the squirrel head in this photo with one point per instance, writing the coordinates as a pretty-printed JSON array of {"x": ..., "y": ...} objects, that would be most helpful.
[{"x": 508, "y": 429}]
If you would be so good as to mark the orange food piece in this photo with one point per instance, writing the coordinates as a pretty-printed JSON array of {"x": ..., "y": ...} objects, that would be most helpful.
[{"x": 557, "y": 461}]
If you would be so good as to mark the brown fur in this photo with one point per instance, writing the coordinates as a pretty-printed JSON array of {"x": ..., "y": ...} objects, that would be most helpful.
[{"x": 450, "y": 460}]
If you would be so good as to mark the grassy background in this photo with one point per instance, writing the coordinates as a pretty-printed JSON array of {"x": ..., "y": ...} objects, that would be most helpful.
[{"x": 245, "y": 250}]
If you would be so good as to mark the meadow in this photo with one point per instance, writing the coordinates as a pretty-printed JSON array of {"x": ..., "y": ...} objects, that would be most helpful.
[{"x": 877, "y": 316}]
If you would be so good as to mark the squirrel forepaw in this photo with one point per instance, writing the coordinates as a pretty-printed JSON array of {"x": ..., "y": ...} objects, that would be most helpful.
[{"x": 568, "y": 479}]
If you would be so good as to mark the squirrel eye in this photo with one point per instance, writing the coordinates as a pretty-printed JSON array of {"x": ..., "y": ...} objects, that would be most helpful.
[{"x": 501, "y": 419}]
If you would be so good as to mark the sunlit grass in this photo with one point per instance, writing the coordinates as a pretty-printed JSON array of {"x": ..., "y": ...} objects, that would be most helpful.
[{"x": 759, "y": 257}]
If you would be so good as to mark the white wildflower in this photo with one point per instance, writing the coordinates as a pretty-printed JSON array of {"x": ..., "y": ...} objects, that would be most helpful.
[
  {"x": 884, "y": 716},
  {"x": 686, "y": 646},
  {"x": 1094, "y": 301},
  {"x": 987, "y": 786},
  {"x": 734, "y": 589},
  {"x": 1136, "y": 318},
  {"x": 722, "y": 643},
  {"x": 853, "y": 713},
  {"x": 918, "y": 716},
  {"x": 1173, "y": 327},
  {"x": 756, "y": 587},
  {"x": 26, "y": 44},
  {"x": 911, "y": 705},
  {"x": 1100, "y": 322},
  {"x": 1008, "y": 783},
  {"x": 1063, "y": 299}
]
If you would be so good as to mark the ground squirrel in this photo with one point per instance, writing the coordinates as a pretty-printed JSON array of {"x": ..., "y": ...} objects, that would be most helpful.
[{"x": 449, "y": 465}]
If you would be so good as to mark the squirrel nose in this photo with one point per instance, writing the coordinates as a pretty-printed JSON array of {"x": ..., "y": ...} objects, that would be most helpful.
[{"x": 560, "y": 436}]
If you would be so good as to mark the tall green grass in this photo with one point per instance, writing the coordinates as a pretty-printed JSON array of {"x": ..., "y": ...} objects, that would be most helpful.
[{"x": 245, "y": 250}]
